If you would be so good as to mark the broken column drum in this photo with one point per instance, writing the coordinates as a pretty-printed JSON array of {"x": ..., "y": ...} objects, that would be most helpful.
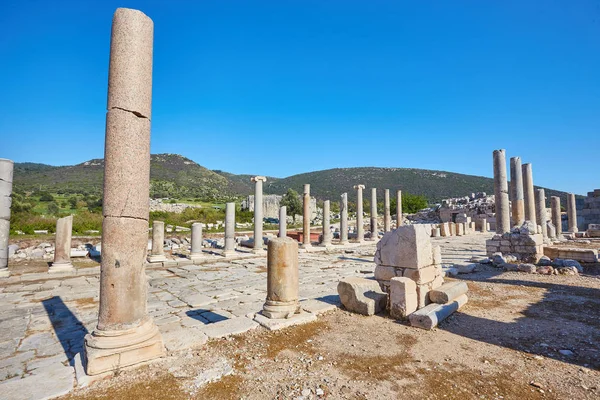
[
  {"x": 6, "y": 179},
  {"x": 344, "y": 219},
  {"x": 556, "y": 214},
  {"x": 62, "y": 246},
  {"x": 282, "y": 279},
  {"x": 282, "y": 221},
  {"x": 258, "y": 212},
  {"x": 540, "y": 210},
  {"x": 306, "y": 216},
  {"x": 516, "y": 186},
  {"x": 157, "y": 252},
  {"x": 196, "y": 252},
  {"x": 572, "y": 213},
  {"x": 528, "y": 193},
  {"x": 399, "y": 208},
  {"x": 126, "y": 334},
  {"x": 229, "y": 229},
  {"x": 386, "y": 210},
  {"x": 360, "y": 226},
  {"x": 501, "y": 193},
  {"x": 373, "y": 213}
]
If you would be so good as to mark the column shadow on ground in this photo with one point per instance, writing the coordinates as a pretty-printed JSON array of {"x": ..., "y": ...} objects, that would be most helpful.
[
  {"x": 69, "y": 330},
  {"x": 567, "y": 318}
]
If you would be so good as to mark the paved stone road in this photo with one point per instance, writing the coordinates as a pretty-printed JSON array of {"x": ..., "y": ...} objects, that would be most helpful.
[{"x": 44, "y": 318}]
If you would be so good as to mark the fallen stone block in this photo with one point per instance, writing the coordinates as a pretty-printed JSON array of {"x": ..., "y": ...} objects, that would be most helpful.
[
  {"x": 448, "y": 292},
  {"x": 529, "y": 268},
  {"x": 430, "y": 316},
  {"x": 403, "y": 297},
  {"x": 362, "y": 296}
]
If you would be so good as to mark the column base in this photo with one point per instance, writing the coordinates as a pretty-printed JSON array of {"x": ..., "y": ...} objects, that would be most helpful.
[
  {"x": 157, "y": 258},
  {"x": 280, "y": 309},
  {"x": 196, "y": 256},
  {"x": 60, "y": 267},
  {"x": 110, "y": 350},
  {"x": 228, "y": 253},
  {"x": 4, "y": 273}
]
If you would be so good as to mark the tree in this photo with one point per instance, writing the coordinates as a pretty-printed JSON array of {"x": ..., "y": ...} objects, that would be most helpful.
[
  {"x": 53, "y": 208},
  {"x": 46, "y": 197},
  {"x": 291, "y": 200}
]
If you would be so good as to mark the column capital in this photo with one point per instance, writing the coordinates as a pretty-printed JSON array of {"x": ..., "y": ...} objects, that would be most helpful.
[
  {"x": 258, "y": 178},
  {"x": 359, "y": 187}
]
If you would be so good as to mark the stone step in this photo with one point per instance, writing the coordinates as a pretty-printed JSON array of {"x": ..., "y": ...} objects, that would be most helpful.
[
  {"x": 430, "y": 316},
  {"x": 448, "y": 292}
]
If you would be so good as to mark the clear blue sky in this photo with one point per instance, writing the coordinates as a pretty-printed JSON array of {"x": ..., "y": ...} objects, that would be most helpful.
[{"x": 284, "y": 87}]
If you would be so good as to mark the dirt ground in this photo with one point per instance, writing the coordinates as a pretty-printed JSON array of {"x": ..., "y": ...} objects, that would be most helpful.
[{"x": 521, "y": 336}]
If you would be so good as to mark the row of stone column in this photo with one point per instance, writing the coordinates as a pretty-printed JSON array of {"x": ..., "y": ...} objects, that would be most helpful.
[{"x": 527, "y": 204}]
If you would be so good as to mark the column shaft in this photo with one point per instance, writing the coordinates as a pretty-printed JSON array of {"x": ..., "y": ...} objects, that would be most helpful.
[
  {"x": 528, "y": 193},
  {"x": 326, "y": 224},
  {"x": 229, "y": 229},
  {"x": 157, "y": 253},
  {"x": 540, "y": 210},
  {"x": 556, "y": 214},
  {"x": 501, "y": 193},
  {"x": 282, "y": 221},
  {"x": 6, "y": 180},
  {"x": 196, "y": 251},
  {"x": 516, "y": 186},
  {"x": 386, "y": 210},
  {"x": 399, "y": 221},
  {"x": 62, "y": 246},
  {"x": 360, "y": 226},
  {"x": 373, "y": 213},
  {"x": 344, "y": 218},
  {"x": 306, "y": 216},
  {"x": 282, "y": 278},
  {"x": 258, "y": 212},
  {"x": 572, "y": 213}
]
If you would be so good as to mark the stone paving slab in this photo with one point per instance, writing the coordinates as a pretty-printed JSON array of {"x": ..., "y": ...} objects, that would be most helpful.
[{"x": 280, "y": 323}]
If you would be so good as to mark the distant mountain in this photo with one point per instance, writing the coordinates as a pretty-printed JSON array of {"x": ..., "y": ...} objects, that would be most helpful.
[{"x": 176, "y": 176}]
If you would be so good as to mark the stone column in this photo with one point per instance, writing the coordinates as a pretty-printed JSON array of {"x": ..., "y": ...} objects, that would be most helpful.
[
  {"x": 399, "y": 208},
  {"x": 6, "y": 176},
  {"x": 6, "y": 179},
  {"x": 126, "y": 334},
  {"x": 484, "y": 224},
  {"x": 344, "y": 219},
  {"x": 229, "y": 229},
  {"x": 282, "y": 221},
  {"x": 360, "y": 226},
  {"x": 62, "y": 245},
  {"x": 528, "y": 194},
  {"x": 516, "y": 191},
  {"x": 373, "y": 214},
  {"x": 326, "y": 225},
  {"x": 157, "y": 253},
  {"x": 501, "y": 193},
  {"x": 572, "y": 213},
  {"x": 258, "y": 213},
  {"x": 306, "y": 217},
  {"x": 386, "y": 211},
  {"x": 196, "y": 253},
  {"x": 540, "y": 208},
  {"x": 282, "y": 279},
  {"x": 556, "y": 214}
]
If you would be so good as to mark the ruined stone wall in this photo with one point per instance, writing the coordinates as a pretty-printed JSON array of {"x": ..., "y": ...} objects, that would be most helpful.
[
  {"x": 590, "y": 212},
  {"x": 271, "y": 205}
]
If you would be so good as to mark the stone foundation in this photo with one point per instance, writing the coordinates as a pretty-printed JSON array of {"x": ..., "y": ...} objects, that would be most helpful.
[{"x": 520, "y": 242}]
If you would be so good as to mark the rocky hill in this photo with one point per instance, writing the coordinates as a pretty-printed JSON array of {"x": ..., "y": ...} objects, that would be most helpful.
[{"x": 175, "y": 176}]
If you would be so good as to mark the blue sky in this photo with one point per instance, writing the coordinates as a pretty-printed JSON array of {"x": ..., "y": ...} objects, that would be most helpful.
[{"x": 279, "y": 88}]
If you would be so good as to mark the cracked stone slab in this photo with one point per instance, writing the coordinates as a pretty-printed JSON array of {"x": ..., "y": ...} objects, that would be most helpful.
[
  {"x": 274, "y": 324},
  {"x": 183, "y": 338},
  {"x": 229, "y": 327},
  {"x": 197, "y": 300},
  {"x": 51, "y": 383}
]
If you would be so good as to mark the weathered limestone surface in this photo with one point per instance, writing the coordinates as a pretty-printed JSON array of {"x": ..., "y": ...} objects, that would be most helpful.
[
  {"x": 306, "y": 217},
  {"x": 282, "y": 221},
  {"x": 517, "y": 196},
  {"x": 448, "y": 292},
  {"x": 344, "y": 219},
  {"x": 157, "y": 253},
  {"x": 572, "y": 213},
  {"x": 399, "y": 208},
  {"x": 501, "y": 193},
  {"x": 126, "y": 334},
  {"x": 403, "y": 297},
  {"x": 360, "y": 226},
  {"x": 373, "y": 214},
  {"x": 327, "y": 236},
  {"x": 556, "y": 214},
  {"x": 387, "y": 219},
  {"x": 196, "y": 252},
  {"x": 229, "y": 229},
  {"x": 528, "y": 193},
  {"x": 258, "y": 212},
  {"x": 540, "y": 210},
  {"x": 362, "y": 296},
  {"x": 430, "y": 316},
  {"x": 6, "y": 179},
  {"x": 62, "y": 251},
  {"x": 282, "y": 279}
]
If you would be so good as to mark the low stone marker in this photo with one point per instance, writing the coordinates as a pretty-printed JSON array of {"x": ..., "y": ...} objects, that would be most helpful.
[
  {"x": 362, "y": 296},
  {"x": 403, "y": 297}
]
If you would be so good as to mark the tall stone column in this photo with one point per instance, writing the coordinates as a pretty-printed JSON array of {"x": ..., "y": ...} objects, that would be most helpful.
[
  {"x": 62, "y": 246},
  {"x": 6, "y": 179},
  {"x": 282, "y": 279},
  {"x": 386, "y": 211},
  {"x": 306, "y": 217},
  {"x": 572, "y": 213},
  {"x": 373, "y": 214},
  {"x": 516, "y": 191},
  {"x": 501, "y": 193},
  {"x": 258, "y": 213},
  {"x": 399, "y": 221},
  {"x": 282, "y": 221},
  {"x": 360, "y": 226},
  {"x": 157, "y": 252},
  {"x": 196, "y": 253},
  {"x": 229, "y": 229},
  {"x": 556, "y": 214},
  {"x": 126, "y": 334},
  {"x": 326, "y": 225},
  {"x": 528, "y": 193},
  {"x": 344, "y": 219},
  {"x": 540, "y": 210}
]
